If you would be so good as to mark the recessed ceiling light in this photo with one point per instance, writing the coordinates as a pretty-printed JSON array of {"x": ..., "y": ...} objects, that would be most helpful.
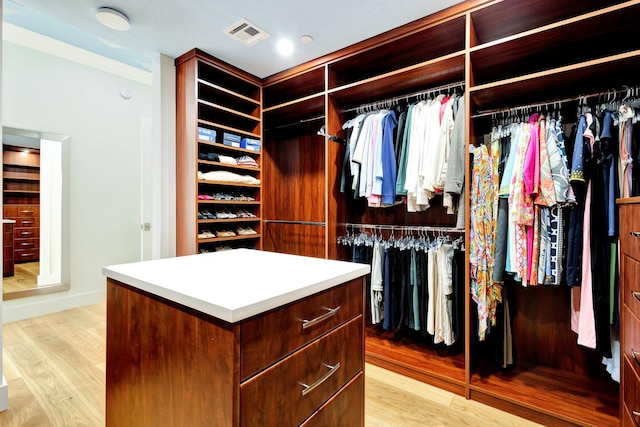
[
  {"x": 285, "y": 47},
  {"x": 306, "y": 39},
  {"x": 113, "y": 19}
]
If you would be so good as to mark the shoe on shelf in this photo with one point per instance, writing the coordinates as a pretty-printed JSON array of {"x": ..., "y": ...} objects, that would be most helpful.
[
  {"x": 246, "y": 231},
  {"x": 208, "y": 214},
  {"x": 206, "y": 234},
  {"x": 204, "y": 197},
  {"x": 226, "y": 233},
  {"x": 201, "y": 215}
]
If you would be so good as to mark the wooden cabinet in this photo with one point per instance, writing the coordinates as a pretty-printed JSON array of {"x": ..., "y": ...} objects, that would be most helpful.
[
  {"x": 630, "y": 310},
  {"x": 7, "y": 249},
  {"x": 171, "y": 365},
  {"x": 21, "y": 198},
  {"x": 219, "y": 119}
]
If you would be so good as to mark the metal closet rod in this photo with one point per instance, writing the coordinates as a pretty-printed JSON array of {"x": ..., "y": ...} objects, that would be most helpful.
[
  {"x": 553, "y": 102},
  {"x": 407, "y": 96},
  {"x": 405, "y": 227}
]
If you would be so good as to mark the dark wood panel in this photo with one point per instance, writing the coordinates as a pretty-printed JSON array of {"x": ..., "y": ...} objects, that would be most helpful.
[
  {"x": 558, "y": 47},
  {"x": 583, "y": 78},
  {"x": 17, "y": 156},
  {"x": 259, "y": 349},
  {"x": 288, "y": 114},
  {"x": 304, "y": 84},
  {"x": 295, "y": 239},
  {"x": 426, "y": 44},
  {"x": 430, "y": 74},
  {"x": 346, "y": 409},
  {"x": 166, "y": 365},
  {"x": 630, "y": 274},
  {"x": 280, "y": 385},
  {"x": 293, "y": 170},
  {"x": 630, "y": 386},
  {"x": 554, "y": 392},
  {"x": 416, "y": 358},
  {"x": 629, "y": 243},
  {"x": 495, "y": 22}
]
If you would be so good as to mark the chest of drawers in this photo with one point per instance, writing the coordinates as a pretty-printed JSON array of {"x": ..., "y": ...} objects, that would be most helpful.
[
  {"x": 630, "y": 311},
  {"x": 26, "y": 231},
  {"x": 297, "y": 364}
]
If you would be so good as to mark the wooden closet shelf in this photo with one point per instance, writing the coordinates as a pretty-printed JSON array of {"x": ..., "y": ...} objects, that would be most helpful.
[
  {"x": 229, "y": 202},
  {"x": 417, "y": 77},
  {"x": 528, "y": 52},
  {"x": 229, "y": 92},
  {"x": 226, "y": 165},
  {"x": 558, "y": 393},
  {"x": 228, "y": 184},
  {"x": 228, "y": 239},
  {"x": 227, "y": 220},
  {"x": 572, "y": 80},
  {"x": 296, "y": 110},
  {"x": 229, "y": 128},
  {"x": 21, "y": 191},
  {"x": 229, "y": 148},
  {"x": 229, "y": 110},
  {"x": 8, "y": 177}
]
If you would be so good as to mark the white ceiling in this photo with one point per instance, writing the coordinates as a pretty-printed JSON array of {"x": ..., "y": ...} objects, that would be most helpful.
[{"x": 173, "y": 27}]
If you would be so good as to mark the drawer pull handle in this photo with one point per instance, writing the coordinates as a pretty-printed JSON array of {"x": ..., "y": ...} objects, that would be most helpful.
[
  {"x": 636, "y": 295},
  {"x": 306, "y": 389},
  {"x": 635, "y": 233},
  {"x": 27, "y": 244},
  {"x": 635, "y": 355},
  {"x": 330, "y": 312},
  {"x": 27, "y": 211},
  {"x": 635, "y": 414},
  {"x": 27, "y": 222},
  {"x": 26, "y": 255},
  {"x": 25, "y": 233}
]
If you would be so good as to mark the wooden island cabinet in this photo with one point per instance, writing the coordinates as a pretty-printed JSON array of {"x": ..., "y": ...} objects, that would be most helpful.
[{"x": 235, "y": 338}]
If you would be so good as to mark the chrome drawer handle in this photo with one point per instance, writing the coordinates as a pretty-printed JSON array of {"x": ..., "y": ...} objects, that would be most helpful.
[
  {"x": 306, "y": 389},
  {"x": 26, "y": 211},
  {"x": 27, "y": 222},
  {"x": 635, "y": 355},
  {"x": 25, "y": 255},
  {"x": 636, "y": 295},
  {"x": 25, "y": 233},
  {"x": 27, "y": 244},
  {"x": 330, "y": 312},
  {"x": 635, "y": 233},
  {"x": 635, "y": 414}
]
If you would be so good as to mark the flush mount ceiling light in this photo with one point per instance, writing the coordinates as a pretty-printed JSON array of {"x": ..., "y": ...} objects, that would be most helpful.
[
  {"x": 113, "y": 19},
  {"x": 284, "y": 47}
]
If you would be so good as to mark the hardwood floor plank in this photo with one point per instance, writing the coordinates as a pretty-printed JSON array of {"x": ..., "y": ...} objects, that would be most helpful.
[{"x": 55, "y": 368}]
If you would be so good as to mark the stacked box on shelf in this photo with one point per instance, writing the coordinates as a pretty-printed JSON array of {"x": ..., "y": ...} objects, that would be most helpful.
[
  {"x": 231, "y": 139},
  {"x": 205, "y": 134},
  {"x": 250, "y": 144}
]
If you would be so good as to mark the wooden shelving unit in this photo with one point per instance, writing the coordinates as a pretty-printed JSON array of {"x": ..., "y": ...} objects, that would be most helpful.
[
  {"x": 506, "y": 53},
  {"x": 226, "y": 100}
]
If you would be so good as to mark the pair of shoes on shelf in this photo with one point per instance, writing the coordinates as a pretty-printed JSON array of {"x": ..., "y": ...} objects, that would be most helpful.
[
  {"x": 226, "y": 233},
  {"x": 223, "y": 248},
  {"x": 222, "y": 196},
  {"x": 244, "y": 198},
  {"x": 206, "y": 234},
  {"x": 204, "y": 251},
  {"x": 205, "y": 214},
  {"x": 245, "y": 231},
  {"x": 204, "y": 197},
  {"x": 225, "y": 214},
  {"x": 244, "y": 213}
]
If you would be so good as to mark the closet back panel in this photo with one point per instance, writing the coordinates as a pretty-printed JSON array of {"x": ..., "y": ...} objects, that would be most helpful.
[
  {"x": 432, "y": 42},
  {"x": 530, "y": 14},
  {"x": 294, "y": 188}
]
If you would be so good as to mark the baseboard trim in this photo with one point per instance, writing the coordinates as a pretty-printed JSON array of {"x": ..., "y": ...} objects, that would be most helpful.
[{"x": 19, "y": 309}]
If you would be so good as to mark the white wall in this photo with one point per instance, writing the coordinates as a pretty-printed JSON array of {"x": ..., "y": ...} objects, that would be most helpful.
[{"x": 47, "y": 93}]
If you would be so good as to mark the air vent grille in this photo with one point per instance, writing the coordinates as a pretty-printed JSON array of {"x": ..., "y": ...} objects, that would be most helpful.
[{"x": 246, "y": 33}]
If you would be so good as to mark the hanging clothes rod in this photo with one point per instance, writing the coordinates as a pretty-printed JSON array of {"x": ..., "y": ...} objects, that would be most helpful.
[
  {"x": 299, "y": 122},
  {"x": 611, "y": 92},
  {"x": 404, "y": 227},
  {"x": 407, "y": 96},
  {"x": 284, "y": 221}
]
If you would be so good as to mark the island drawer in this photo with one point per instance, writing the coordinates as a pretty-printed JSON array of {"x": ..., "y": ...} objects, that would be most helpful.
[{"x": 272, "y": 336}]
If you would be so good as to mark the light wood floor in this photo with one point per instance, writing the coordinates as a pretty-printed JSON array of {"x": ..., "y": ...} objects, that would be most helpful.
[
  {"x": 25, "y": 276},
  {"x": 55, "y": 368}
]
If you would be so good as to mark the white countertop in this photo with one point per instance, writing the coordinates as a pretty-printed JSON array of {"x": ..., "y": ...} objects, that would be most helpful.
[{"x": 236, "y": 284}]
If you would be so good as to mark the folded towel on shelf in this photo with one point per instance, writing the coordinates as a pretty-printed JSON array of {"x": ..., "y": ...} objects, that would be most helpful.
[{"x": 226, "y": 176}]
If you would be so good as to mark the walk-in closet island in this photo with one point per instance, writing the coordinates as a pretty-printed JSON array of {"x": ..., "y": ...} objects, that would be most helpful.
[{"x": 235, "y": 338}]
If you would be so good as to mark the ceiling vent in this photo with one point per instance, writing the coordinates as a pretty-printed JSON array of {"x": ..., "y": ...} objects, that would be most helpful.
[{"x": 246, "y": 33}]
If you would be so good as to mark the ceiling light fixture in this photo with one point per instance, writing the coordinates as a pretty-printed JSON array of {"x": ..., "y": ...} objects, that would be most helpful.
[
  {"x": 285, "y": 47},
  {"x": 306, "y": 39},
  {"x": 113, "y": 19}
]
